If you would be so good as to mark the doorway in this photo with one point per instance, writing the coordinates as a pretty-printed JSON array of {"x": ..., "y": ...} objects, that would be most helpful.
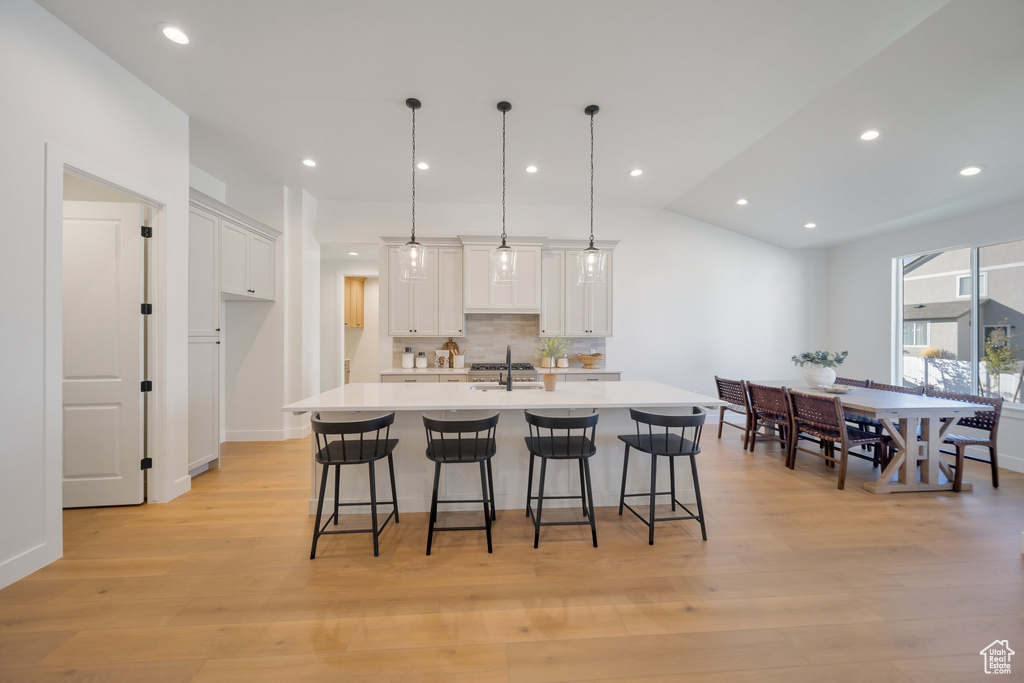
[{"x": 105, "y": 328}]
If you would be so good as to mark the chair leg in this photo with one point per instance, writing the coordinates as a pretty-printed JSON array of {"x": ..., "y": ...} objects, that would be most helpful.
[
  {"x": 490, "y": 486},
  {"x": 721, "y": 422},
  {"x": 995, "y": 466},
  {"x": 590, "y": 500},
  {"x": 696, "y": 491},
  {"x": 529, "y": 485},
  {"x": 394, "y": 488},
  {"x": 433, "y": 506},
  {"x": 958, "y": 474},
  {"x": 625, "y": 467},
  {"x": 540, "y": 502},
  {"x": 746, "y": 432},
  {"x": 583, "y": 488},
  {"x": 487, "y": 512},
  {"x": 654, "y": 484},
  {"x": 373, "y": 509},
  {"x": 337, "y": 492},
  {"x": 319, "y": 510},
  {"x": 672, "y": 475},
  {"x": 753, "y": 434},
  {"x": 844, "y": 458}
]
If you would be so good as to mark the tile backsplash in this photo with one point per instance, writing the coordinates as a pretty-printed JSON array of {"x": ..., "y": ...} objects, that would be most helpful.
[{"x": 487, "y": 335}]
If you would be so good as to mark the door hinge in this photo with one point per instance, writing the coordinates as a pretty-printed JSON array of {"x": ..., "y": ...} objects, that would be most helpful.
[
  {"x": 147, "y": 231},
  {"x": 147, "y": 385},
  {"x": 147, "y": 309},
  {"x": 146, "y": 464}
]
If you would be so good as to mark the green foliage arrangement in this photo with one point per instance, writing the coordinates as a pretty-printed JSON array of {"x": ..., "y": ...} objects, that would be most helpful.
[
  {"x": 551, "y": 347},
  {"x": 826, "y": 359}
]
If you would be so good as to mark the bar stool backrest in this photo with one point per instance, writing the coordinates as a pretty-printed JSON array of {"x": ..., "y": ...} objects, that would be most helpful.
[
  {"x": 658, "y": 428},
  {"x": 898, "y": 388},
  {"x": 732, "y": 391},
  {"x": 818, "y": 415},
  {"x": 548, "y": 432},
  {"x": 862, "y": 383},
  {"x": 987, "y": 420},
  {"x": 770, "y": 401},
  {"x": 477, "y": 444},
  {"x": 354, "y": 435}
]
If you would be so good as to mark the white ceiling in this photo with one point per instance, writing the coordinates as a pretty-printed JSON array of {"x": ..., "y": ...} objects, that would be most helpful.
[{"x": 714, "y": 100}]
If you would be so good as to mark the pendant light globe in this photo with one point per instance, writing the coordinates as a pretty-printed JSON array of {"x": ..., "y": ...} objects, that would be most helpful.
[
  {"x": 591, "y": 263},
  {"x": 503, "y": 257},
  {"x": 412, "y": 257}
]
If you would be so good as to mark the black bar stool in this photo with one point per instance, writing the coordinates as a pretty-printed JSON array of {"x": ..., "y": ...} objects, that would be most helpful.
[
  {"x": 363, "y": 446},
  {"x": 473, "y": 442},
  {"x": 561, "y": 438},
  {"x": 669, "y": 444}
]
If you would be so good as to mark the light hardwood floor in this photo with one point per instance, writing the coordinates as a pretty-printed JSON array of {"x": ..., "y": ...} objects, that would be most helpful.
[{"x": 797, "y": 582}]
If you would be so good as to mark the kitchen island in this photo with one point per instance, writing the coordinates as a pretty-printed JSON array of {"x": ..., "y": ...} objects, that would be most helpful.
[{"x": 462, "y": 400}]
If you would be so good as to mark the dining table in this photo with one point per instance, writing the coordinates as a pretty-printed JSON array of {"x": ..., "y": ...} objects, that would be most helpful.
[{"x": 917, "y": 425}]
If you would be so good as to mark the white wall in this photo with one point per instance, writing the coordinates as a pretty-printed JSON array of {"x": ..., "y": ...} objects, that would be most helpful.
[
  {"x": 691, "y": 299},
  {"x": 59, "y": 90},
  {"x": 360, "y": 343},
  {"x": 860, "y": 298}
]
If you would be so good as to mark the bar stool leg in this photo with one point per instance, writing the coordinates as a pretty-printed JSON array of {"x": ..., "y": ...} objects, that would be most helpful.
[
  {"x": 583, "y": 489},
  {"x": 625, "y": 467},
  {"x": 394, "y": 490},
  {"x": 337, "y": 492},
  {"x": 672, "y": 474},
  {"x": 490, "y": 485},
  {"x": 696, "y": 490},
  {"x": 540, "y": 501},
  {"x": 487, "y": 512},
  {"x": 373, "y": 509},
  {"x": 433, "y": 506},
  {"x": 319, "y": 509},
  {"x": 654, "y": 484},
  {"x": 529, "y": 486},
  {"x": 590, "y": 498}
]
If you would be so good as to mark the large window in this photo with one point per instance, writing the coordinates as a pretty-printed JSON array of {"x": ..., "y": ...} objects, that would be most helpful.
[{"x": 963, "y": 320}]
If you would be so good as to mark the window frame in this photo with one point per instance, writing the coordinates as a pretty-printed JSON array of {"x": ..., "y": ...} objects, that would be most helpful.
[
  {"x": 927, "y": 333},
  {"x": 982, "y": 281}
]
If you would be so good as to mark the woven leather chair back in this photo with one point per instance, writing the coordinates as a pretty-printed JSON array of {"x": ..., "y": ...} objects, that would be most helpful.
[
  {"x": 862, "y": 383},
  {"x": 987, "y": 420},
  {"x": 817, "y": 415},
  {"x": 731, "y": 391},
  {"x": 769, "y": 401},
  {"x": 898, "y": 388}
]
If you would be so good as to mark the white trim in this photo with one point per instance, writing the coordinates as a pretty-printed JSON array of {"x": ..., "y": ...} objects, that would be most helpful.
[
  {"x": 267, "y": 434},
  {"x": 224, "y": 211}
]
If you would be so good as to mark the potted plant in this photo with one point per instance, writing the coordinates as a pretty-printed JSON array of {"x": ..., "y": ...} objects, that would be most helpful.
[
  {"x": 819, "y": 366},
  {"x": 549, "y": 348}
]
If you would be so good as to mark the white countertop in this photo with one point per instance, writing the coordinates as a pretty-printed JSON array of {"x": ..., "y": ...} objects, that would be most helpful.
[
  {"x": 459, "y": 396},
  {"x": 465, "y": 370}
]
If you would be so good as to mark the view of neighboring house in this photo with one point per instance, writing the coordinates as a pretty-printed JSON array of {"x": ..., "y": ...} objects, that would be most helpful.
[{"x": 937, "y": 317}]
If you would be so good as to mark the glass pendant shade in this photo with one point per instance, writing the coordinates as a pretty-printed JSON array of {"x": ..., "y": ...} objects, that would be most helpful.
[
  {"x": 591, "y": 266},
  {"x": 412, "y": 262},
  {"x": 503, "y": 266}
]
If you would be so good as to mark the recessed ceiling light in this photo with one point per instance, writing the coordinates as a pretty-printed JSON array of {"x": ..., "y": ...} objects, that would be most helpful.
[
  {"x": 810, "y": 225},
  {"x": 870, "y": 134},
  {"x": 531, "y": 169},
  {"x": 635, "y": 172},
  {"x": 308, "y": 162},
  {"x": 742, "y": 202},
  {"x": 970, "y": 170},
  {"x": 423, "y": 166},
  {"x": 353, "y": 253},
  {"x": 174, "y": 34}
]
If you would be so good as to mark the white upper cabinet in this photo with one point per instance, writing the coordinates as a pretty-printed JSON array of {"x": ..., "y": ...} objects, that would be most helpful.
[
  {"x": 451, "y": 316},
  {"x": 203, "y": 288},
  {"x": 413, "y": 306},
  {"x": 552, "y": 287},
  {"x": 524, "y": 296},
  {"x": 246, "y": 263},
  {"x": 588, "y": 308}
]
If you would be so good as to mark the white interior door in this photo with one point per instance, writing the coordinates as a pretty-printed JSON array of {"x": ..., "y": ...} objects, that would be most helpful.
[{"x": 103, "y": 355}]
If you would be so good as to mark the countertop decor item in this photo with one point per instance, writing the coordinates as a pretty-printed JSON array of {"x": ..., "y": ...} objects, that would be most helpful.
[
  {"x": 550, "y": 381},
  {"x": 590, "y": 360},
  {"x": 441, "y": 358},
  {"x": 412, "y": 256},
  {"x": 503, "y": 258},
  {"x": 551, "y": 347},
  {"x": 453, "y": 350},
  {"x": 836, "y": 388},
  {"x": 819, "y": 366},
  {"x": 408, "y": 359},
  {"x": 421, "y": 360}
]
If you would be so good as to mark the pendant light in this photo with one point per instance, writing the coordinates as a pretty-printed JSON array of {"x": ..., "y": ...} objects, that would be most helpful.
[
  {"x": 503, "y": 258},
  {"x": 591, "y": 261},
  {"x": 412, "y": 257}
]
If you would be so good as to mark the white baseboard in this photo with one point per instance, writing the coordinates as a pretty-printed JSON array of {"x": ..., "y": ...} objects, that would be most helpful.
[
  {"x": 23, "y": 564},
  {"x": 255, "y": 435},
  {"x": 297, "y": 432}
]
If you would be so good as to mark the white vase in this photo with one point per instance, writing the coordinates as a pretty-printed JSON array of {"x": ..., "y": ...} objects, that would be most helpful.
[{"x": 818, "y": 375}]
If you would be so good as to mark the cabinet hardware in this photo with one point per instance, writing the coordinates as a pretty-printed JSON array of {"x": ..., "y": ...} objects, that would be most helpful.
[
  {"x": 147, "y": 231},
  {"x": 147, "y": 309},
  {"x": 408, "y": 380},
  {"x": 146, "y": 464},
  {"x": 146, "y": 386}
]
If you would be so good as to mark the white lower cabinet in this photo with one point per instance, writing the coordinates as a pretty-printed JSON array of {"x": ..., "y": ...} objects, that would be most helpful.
[
  {"x": 406, "y": 379},
  {"x": 592, "y": 377},
  {"x": 203, "y": 400}
]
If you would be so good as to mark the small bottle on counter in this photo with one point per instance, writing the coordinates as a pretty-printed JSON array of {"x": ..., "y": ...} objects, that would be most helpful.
[
  {"x": 421, "y": 360},
  {"x": 562, "y": 362},
  {"x": 407, "y": 359}
]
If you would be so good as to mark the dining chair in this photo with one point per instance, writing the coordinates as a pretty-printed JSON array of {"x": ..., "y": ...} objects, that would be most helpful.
[
  {"x": 734, "y": 393},
  {"x": 823, "y": 418},
  {"x": 862, "y": 383},
  {"x": 986, "y": 421},
  {"x": 898, "y": 388},
  {"x": 769, "y": 407},
  {"x": 864, "y": 422}
]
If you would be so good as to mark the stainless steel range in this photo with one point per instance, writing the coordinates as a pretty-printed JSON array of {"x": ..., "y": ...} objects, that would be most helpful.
[{"x": 494, "y": 372}]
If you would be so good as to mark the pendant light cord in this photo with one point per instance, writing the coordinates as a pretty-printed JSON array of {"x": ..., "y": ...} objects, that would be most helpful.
[
  {"x": 414, "y": 177},
  {"x": 591, "y": 181},
  {"x": 503, "y": 235}
]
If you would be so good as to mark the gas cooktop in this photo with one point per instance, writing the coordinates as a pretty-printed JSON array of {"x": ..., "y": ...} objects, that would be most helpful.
[{"x": 497, "y": 367}]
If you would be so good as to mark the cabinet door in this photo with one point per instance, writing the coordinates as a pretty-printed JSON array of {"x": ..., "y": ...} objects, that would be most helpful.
[
  {"x": 425, "y": 294},
  {"x": 234, "y": 255},
  {"x": 601, "y": 305},
  {"x": 477, "y": 276},
  {"x": 526, "y": 291},
  {"x": 405, "y": 379},
  {"x": 451, "y": 316},
  {"x": 577, "y": 301},
  {"x": 261, "y": 267},
  {"x": 203, "y": 400},
  {"x": 203, "y": 286},
  {"x": 400, "y": 300},
  {"x": 348, "y": 302},
  {"x": 552, "y": 287},
  {"x": 358, "y": 297}
]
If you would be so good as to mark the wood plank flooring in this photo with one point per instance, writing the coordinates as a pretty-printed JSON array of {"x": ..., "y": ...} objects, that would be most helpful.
[{"x": 797, "y": 582}]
